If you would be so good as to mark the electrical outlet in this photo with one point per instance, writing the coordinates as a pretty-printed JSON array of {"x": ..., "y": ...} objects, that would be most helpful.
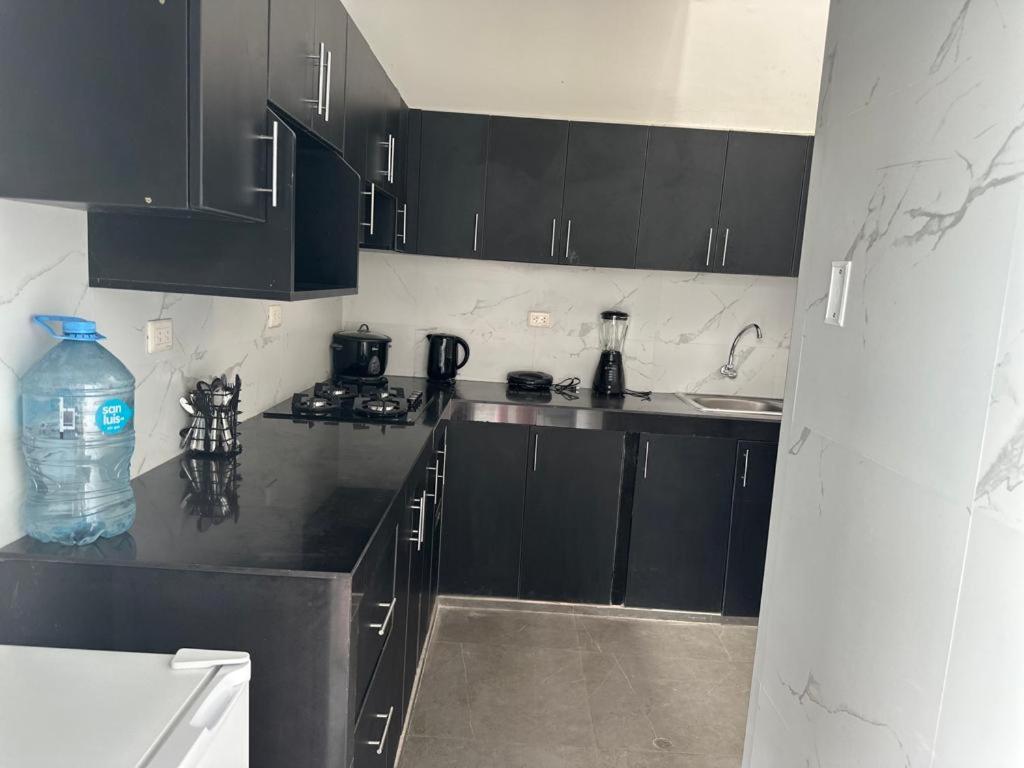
[
  {"x": 273, "y": 316},
  {"x": 539, "y": 320},
  {"x": 159, "y": 335}
]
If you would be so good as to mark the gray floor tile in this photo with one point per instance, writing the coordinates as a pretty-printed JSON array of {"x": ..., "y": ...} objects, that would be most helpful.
[
  {"x": 442, "y": 700},
  {"x": 528, "y": 695},
  {"x": 524, "y": 629},
  {"x": 650, "y": 760},
  {"x": 739, "y": 641},
  {"x": 449, "y": 753},
  {"x": 654, "y": 638}
]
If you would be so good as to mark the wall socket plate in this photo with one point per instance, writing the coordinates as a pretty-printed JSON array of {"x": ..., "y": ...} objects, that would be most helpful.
[
  {"x": 838, "y": 289},
  {"x": 159, "y": 335},
  {"x": 539, "y": 319},
  {"x": 273, "y": 316}
]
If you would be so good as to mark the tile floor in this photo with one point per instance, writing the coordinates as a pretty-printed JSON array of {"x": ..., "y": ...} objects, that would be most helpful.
[{"x": 525, "y": 689}]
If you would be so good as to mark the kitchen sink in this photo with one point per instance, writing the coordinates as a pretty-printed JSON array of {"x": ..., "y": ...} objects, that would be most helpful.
[{"x": 733, "y": 403}]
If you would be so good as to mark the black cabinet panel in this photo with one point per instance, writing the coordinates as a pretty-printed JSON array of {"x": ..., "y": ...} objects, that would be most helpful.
[
  {"x": 681, "y": 198},
  {"x": 604, "y": 179},
  {"x": 485, "y": 479},
  {"x": 571, "y": 517},
  {"x": 373, "y": 728},
  {"x": 680, "y": 531},
  {"x": 86, "y": 128},
  {"x": 294, "y": 65},
  {"x": 228, "y": 94},
  {"x": 332, "y": 31},
  {"x": 360, "y": 66},
  {"x": 374, "y": 602},
  {"x": 525, "y": 181},
  {"x": 762, "y": 204},
  {"x": 406, "y": 227},
  {"x": 748, "y": 538},
  {"x": 453, "y": 155}
]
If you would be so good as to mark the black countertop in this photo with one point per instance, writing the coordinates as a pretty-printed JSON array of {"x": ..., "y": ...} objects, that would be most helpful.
[{"x": 307, "y": 497}]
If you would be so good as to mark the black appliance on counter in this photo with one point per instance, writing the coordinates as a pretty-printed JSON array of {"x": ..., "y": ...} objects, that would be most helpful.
[
  {"x": 529, "y": 381},
  {"x": 359, "y": 357},
  {"x": 610, "y": 377},
  {"x": 365, "y": 402},
  {"x": 443, "y": 356}
]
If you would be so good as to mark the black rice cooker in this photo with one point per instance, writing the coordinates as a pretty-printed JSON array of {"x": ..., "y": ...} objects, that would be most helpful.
[{"x": 359, "y": 354}]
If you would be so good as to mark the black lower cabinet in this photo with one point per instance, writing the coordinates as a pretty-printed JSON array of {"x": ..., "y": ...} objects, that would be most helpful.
[
  {"x": 572, "y": 513},
  {"x": 378, "y": 726},
  {"x": 407, "y": 621},
  {"x": 748, "y": 539},
  {"x": 680, "y": 530},
  {"x": 485, "y": 479}
]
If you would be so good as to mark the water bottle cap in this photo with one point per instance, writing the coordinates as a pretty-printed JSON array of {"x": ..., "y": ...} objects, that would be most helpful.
[{"x": 74, "y": 328}]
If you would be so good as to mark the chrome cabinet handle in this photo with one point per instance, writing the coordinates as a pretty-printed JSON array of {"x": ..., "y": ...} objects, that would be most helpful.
[
  {"x": 319, "y": 100},
  {"x": 405, "y": 221},
  {"x": 554, "y": 223},
  {"x": 272, "y": 189},
  {"x": 568, "y": 238},
  {"x": 373, "y": 204},
  {"x": 647, "y": 456},
  {"x": 383, "y": 626},
  {"x": 725, "y": 249},
  {"x": 384, "y": 736},
  {"x": 391, "y": 159},
  {"x": 421, "y": 506},
  {"x": 327, "y": 97},
  {"x": 711, "y": 235},
  {"x": 536, "y": 446},
  {"x": 746, "y": 466},
  {"x": 476, "y": 229}
]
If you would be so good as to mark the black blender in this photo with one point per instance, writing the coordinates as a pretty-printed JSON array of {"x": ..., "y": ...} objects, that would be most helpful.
[{"x": 610, "y": 378}]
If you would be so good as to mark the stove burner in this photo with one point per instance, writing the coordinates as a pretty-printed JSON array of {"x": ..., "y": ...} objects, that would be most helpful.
[
  {"x": 383, "y": 405},
  {"x": 380, "y": 407},
  {"x": 329, "y": 390}
]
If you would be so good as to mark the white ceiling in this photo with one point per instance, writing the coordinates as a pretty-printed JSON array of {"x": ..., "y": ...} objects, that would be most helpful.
[{"x": 753, "y": 64}]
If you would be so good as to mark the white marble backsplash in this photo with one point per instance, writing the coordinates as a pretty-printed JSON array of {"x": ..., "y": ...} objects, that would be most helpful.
[
  {"x": 44, "y": 271},
  {"x": 681, "y": 324},
  {"x": 892, "y": 617}
]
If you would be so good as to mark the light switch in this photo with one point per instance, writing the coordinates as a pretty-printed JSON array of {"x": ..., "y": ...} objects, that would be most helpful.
[
  {"x": 273, "y": 316},
  {"x": 539, "y": 319},
  {"x": 838, "y": 288},
  {"x": 159, "y": 335}
]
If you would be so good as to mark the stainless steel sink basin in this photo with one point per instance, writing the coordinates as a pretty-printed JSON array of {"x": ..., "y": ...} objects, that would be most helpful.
[{"x": 733, "y": 403}]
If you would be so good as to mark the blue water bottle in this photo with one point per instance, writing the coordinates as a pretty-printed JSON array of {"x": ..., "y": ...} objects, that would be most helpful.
[{"x": 78, "y": 434}]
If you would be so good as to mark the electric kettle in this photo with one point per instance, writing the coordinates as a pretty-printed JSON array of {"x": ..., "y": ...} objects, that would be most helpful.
[{"x": 442, "y": 356}]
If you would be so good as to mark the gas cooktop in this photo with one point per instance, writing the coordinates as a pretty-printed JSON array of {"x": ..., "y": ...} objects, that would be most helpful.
[{"x": 353, "y": 402}]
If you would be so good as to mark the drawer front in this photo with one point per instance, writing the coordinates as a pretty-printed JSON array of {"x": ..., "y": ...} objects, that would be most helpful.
[
  {"x": 379, "y": 725},
  {"x": 374, "y": 588}
]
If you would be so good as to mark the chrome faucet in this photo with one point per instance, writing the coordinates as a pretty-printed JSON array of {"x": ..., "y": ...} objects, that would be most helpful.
[{"x": 729, "y": 369}]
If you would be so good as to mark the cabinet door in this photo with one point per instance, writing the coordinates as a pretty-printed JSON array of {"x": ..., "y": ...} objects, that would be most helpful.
[
  {"x": 680, "y": 531},
  {"x": 409, "y": 575},
  {"x": 228, "y": 94},
  {"x": 572, "y": 512},
  {"x": 407, "y": 227},
  {"x": 762, "y": 203},
  {"x": 682, "y": 195},
  {"x": 604, "y": 178},
  {"x": 332, "y": 32},
  {"x": 381, "y": 105},
  {"x": 360, "y": 64},
  {"x": 525, "y": 181},
  {"x": 748, "y": 538},
  {"x": 377, "y": 728},
  {"x": 453, "y": 156},
  {"x": 485, "y": 479},
  {"x": 294, "y": 67}
]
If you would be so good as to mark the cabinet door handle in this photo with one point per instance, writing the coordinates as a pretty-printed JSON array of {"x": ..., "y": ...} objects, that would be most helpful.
[
  {"x": 383, "y": 626},
  {"x": 476, "y": 229},
  {"x": 421, "y": 507},
  {"x": 327, "y": 97},
  {"x": 384, "y": 736},
  {"x": 404, "y": 210},
  {"x": 711, "y": 236},
  {"x": 391, "y": 159},
  {"x": 746, "y": 466},
  {"x": 725, "y": 249},
  {"x": 434, "y": 469},
  {"x": 319, "y": 100},
  {"x": 272, "y": 189},
  {"x": 647, "y": 456},
  {"x": 372, "y": 194},
  {"x": 568, "y": 238},
  {"x": 554, "y": 225},
  {"x": 536, "y": 445}
]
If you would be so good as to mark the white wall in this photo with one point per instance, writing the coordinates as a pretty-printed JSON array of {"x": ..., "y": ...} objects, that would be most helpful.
[
  {"x": 743, "y": 64},
  {"x": 893, "y": 610},
  {"x": 681, "y": 324},
  {"x": 43, "y": 271}
]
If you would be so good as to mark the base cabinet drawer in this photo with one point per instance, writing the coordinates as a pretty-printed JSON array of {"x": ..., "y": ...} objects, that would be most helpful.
[
  {"x": 373, "y": 586},
  {"x": 379, "y": 725}
]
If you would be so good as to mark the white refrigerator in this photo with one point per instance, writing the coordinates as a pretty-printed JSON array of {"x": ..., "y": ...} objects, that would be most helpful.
[{"x": 98, "y": 709}]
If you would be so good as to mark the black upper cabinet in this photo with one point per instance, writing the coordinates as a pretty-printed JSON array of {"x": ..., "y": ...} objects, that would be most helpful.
[
  {"x": 748, "y": 538},
  {"x": 680, "y": 532},
  {"x": 332, "y": 32},
  {"x": 168, "y": 116},
  {"x": 296, "y": 77},
  {"x": 525, "y": 182},
  {"x": 453, "y": 160},
  {"x": 571, "y": 519},
  {"x": 485, "y": 480},
  {"x": 360, "y": 67},
  {"x": 604, "y": 180},
  {"x": 681, "y": 198},
  {"x": 762, "y": 204},
  {"x": 408, "y": 180},
  {"x": 305, "y": 249}
]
